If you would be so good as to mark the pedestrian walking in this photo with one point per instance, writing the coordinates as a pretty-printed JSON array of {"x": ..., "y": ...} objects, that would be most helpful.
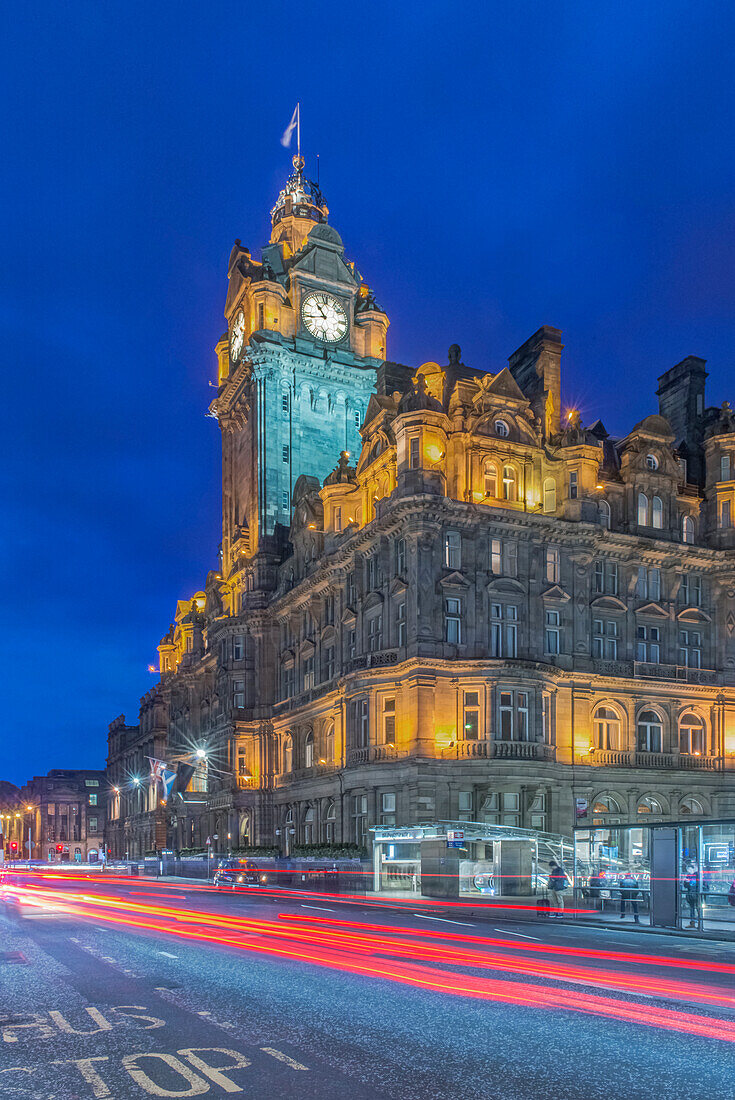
[
  {"x": 690, "y": 884},
  {"x": 629, "y": 890},
  {"x": 558, "y": 882}
]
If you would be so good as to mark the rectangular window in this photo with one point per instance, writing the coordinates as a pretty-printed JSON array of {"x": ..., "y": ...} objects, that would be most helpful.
[
  {"x": 522, "y": 727},
  {"x": 329, "y": 662},
  {"x": 284, "y": 501},
  {"x": 351, "y": 592},
  {"x": 496, "y": 557},
  {"x": 510, "y": 558},
  {"x": 92, "y": 825},
  {"x": 238, "y": 694},
  {"x": 285, "y": 453},
  {"x": 452, "y": 550},
  {"x": 471, "y": 716},
  {"x": 288, "y": 681},
  {"x": 648, "y": 644},
  {"x": 389, "y": 721},
  {"x": 388, "y": 808},
  {"x": 690, "y": 648},
  {"x": 308, "y": 673},
  {"x": 363, "y": 728},
  {"x": 401, "y": 623},
  {"x": 453, "y": 621},
  {"x": 725, "y": 515},
  {"x": 351, "y": 641},
  {"x": 371, "y": 572},
  {"x": 547, "y": 718},
  {"x": 237, "y": 648},
  {"x": 93, "y": 800},
  {"x": 503, "y": 630},
  {"x": 605, "y": 639},
  {"x": 284, "y": 402},
  {"x": 553, "y": 565},
  {"x": 328, "y": 610},
  {"x": 654, "y": 584},
  {"x": 552, "y": 633},
  {"x": 505, "y": 714},
  {"x": 400, "y": 557},
  {"x": 573, "y": 485},
  {"x": 375, "y": 633},
  {"x": 605, "y": 577},
  {"x": 414, "y": 459},
  {"x": 338, "y": 519},
  {"x": 464, "y": 806},
  {"x": 91, "y": 782},
  {"x": 724, "y": 467}
]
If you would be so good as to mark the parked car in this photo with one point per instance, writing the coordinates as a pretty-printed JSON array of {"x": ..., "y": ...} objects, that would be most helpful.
[{"x": 234, "y": 873}]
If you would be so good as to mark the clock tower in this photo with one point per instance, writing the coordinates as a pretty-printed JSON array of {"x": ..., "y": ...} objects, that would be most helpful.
[{"x": 297, "y": 366}]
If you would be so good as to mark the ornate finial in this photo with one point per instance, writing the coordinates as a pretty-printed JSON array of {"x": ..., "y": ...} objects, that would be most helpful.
[{"x": 298, "y": 162}]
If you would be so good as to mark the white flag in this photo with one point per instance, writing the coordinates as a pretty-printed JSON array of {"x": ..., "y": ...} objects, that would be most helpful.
[{"x": 288, "y": 132}]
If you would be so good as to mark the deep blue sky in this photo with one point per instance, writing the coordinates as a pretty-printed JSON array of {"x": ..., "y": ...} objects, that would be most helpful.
[{"x": 492, "y": 167}]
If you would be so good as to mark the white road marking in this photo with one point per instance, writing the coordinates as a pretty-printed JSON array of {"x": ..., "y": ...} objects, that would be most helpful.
[
  {"x": 321, "y": 908},
  {"x": 167, "y": 954},
  {"x": 282, "y": 1057},
  {"x": 444, "y": 920},
  {"x": 505, "y": 932}
]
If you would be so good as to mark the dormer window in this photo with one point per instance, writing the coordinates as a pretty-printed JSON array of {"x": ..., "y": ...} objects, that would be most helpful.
[
  {"x": 651, "y": 462},
  {"x": 502, "y": 429}
]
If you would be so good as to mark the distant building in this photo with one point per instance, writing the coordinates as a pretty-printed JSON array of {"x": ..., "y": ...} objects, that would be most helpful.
[
  {"x": 472, "y": 608},
  {"x": 65, "y": 811}
]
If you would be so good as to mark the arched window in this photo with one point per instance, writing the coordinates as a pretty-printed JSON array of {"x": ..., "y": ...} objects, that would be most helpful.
[
  {"x": 502, "y": 429},
  {"x": 651, "y": 462},
  {"x": 330, "y": 819},
  {"x": 642, "y": 510},
  {"x": 691, "y": 806},
  {"x": 244, "y": 831},
  {"x": 510, "y": 485},
  {"x": 309, "y": 750},
  {"x": 606, "y": 804},
  {"x": 603, "y": 514},
  {"x": 650, "y": 732},
  {"x": 687, "y": 529},
  {"x": 309, "y": 826},
  {"x": 691, "y": 735},
  {"x": 607, "y": 729},
  {"x": 549, "y": 495},
  {"x": 287, "y": 753},
  {"x": 649, "y": 805},
  {"x": 490, "y": 474},
  {"x": 329, "y": 743},
  {"x": 658, "y": 513}
]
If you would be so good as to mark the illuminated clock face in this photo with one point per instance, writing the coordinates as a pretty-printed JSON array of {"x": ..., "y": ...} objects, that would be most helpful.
[
  {"x": 324, "y": 317},
  {"x": 237, "y": 336}
]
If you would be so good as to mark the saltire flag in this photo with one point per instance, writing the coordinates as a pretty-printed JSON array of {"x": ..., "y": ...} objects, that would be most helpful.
[
  {"x": 294, "y": 124},
  {"x": 167, "y": 783}
]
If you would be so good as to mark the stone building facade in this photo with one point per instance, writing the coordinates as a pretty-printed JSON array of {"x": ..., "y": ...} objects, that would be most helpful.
[
  {"x": 65, "y": 812},
  {"x": 474, "y": 608}
]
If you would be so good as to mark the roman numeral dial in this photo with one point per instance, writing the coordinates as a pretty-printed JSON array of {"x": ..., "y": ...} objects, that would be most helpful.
[{"x": 324, "y": 317}]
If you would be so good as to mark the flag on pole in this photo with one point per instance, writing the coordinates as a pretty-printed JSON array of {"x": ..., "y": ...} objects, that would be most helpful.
[
  {"x": 294, "y": 124},
  {"x": 158, "y": 771}
]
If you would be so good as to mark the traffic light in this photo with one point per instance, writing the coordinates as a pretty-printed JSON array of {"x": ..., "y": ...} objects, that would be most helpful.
[
  {"x": 59, "y": 848},
  {"x": 13, "y": 847}
]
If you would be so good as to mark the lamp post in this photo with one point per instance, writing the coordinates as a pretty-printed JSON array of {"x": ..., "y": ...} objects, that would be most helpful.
[{"x": 29, "y": 810}]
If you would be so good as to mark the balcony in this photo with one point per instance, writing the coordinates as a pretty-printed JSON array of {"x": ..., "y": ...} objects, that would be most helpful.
[
  {"x": 706, "y": 763},
  {"x": 374, "y": 754},
  {"x": 504, "y": 750},
  {"x": 684, "y": 675},
  {"x": 380, "y": 659},
  {"x": 620, "y": 758},
  {"x": 654, "y": 760}
]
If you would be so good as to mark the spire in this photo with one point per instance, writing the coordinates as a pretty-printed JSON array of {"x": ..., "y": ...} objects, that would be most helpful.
[{"x": 299, "y": 206}]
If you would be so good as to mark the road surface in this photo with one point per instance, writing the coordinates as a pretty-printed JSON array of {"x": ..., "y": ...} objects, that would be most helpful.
[{"x": 135, "y": 989}]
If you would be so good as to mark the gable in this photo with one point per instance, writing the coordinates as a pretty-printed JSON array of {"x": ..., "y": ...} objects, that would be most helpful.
[
  {"x": 505, "y": 385},
  {"x": 608, "y": 603},
  {"x": 653, "y": 610}
]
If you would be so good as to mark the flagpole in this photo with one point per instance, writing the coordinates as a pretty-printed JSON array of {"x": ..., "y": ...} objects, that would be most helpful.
[{"x": 298, "y": 129}]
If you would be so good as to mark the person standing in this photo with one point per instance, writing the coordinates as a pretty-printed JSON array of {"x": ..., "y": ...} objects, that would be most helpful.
[
  {"x": 629, "y": 890},
  {"x": 558, "y": 882}
]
